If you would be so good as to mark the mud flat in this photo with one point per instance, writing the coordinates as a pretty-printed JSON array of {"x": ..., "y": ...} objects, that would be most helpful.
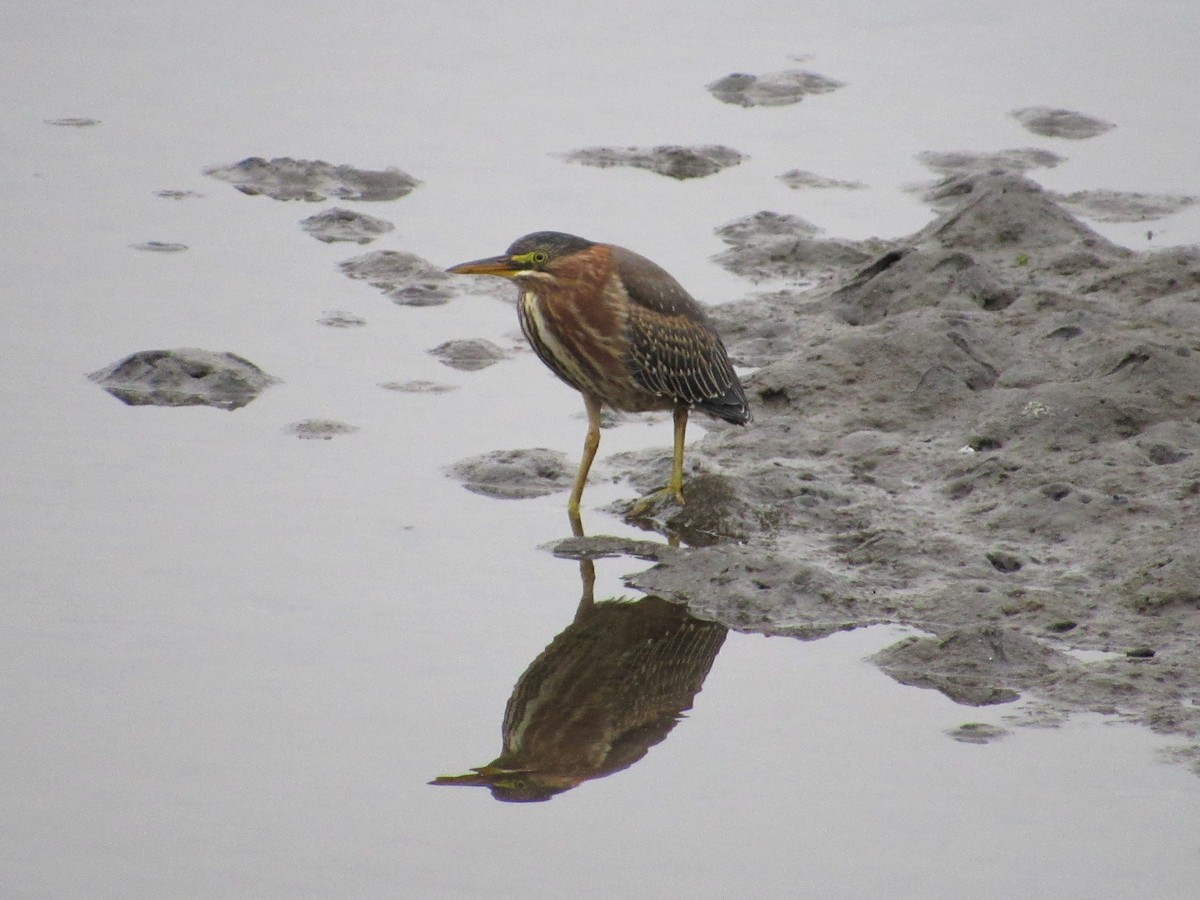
[{"x": 989, "y": 432}]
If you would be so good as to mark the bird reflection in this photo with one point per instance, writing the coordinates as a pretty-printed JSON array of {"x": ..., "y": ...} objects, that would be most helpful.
[{"x": 608, "y": 688}]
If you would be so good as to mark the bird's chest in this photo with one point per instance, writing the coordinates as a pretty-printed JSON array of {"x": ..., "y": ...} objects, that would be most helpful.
[{"x": 582, "y": 345}]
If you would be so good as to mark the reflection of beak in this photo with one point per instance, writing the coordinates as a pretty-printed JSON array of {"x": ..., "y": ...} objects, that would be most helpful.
[
  {"x": 495, "y": 265},
  {"x": 484, "y": 775}
]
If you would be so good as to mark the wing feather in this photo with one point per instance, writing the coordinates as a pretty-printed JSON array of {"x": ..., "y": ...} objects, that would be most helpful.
[{"x": 674, "y": 350}]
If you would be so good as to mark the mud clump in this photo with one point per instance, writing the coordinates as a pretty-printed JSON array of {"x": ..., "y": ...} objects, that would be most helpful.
[
  {"x": 345, "y": 225},
  {"x": 468, "y": 355},
  {"x": 284, "y": 178},
  {"x": 73, "y": 122},
  {"x": 418, "y": 387},
  {"x": 798, "y": 178},
  {"x": 319, "y": 429},
  {"x": 775, "y": 89},
  {"x": 972, "y": 666},
  {"x": 769, "y": 245},
  {"x": 160, "y": 247},
  {"x": 338, "y": 318},
  {"x": 1061, "y": 123},
  {"x": 1125, "y": 206},
  {"x": 966, "y": 162},
  {"x": 987, "y": 432},
  {"x": 673, "y": 161},
  {"x": 977, "y": 733},
  {"x": 184, "y": 377},
  {"x": 515, "y": 474},
  {"x": 404, "y": 277}
]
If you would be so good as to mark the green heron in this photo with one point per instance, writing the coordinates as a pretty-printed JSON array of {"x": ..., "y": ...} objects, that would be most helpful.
[{"x": 621, "y": 331}]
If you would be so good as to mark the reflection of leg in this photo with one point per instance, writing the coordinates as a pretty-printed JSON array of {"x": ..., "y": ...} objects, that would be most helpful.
[
  {"x": 587, "y": 571},
  {"x": 590, "y": 444},
  {"x": 587, "y": 600},
  {"x": 674, "y": 488}
]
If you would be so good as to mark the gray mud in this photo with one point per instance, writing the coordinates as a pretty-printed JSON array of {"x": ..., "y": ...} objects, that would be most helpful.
[
  {"x": 776, "y": 246},
  {"x": 800, "y": 178},
  {"x": 184, "y": 377},
  {"x": 1061, "y": 123},
  {"x": 338, "y": 318},
  {"x": 515, "y": 474},
  {"x": 345, "y": 225},
  {"x": 418, "y": 387},
  {"x": 284, "y": 178},
  {"x": 406, "y": 278},
  {"x": 989, "y": 432},
  {"x": 160, "y": 247},
  {"x": 673, "y": 161},
  {"x": 319, "y": 429},
  {"x": 968, "y": 162},
  {"x": 775, "y": 89},
  {"x": 1125, "y": 206},
  {"x": 977, "y": 733},
  {"x": 469, "y": 354}
]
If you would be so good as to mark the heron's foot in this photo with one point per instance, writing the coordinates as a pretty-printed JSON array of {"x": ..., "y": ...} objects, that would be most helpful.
[{"x": 651, "y": 502}]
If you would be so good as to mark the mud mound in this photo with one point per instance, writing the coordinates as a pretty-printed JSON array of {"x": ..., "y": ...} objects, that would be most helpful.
[
  {"x": 992, "y": 425},
  {"x": 73, "y": 122},
  {"x": 672, "y": 161},
  {"x": 1061, "y": 123},
  {"x": 406, "y": 278},
  {"x": 1126, "y": 206},
  {"x": 183, "y": 377},
  {"x": 469, "y": 354},
  {"x": 776, "y": 89},
  {"x": 960, "y": 162},
  {"x": 515, "y": 474},
  {"x": 160, "y": 247},
  {"x": 319, "y": 429},
  {"x": 418, "y": 386},
  {"x": 340, "y": 318},
  {"x": 284, "y": 178},
  {"x": 345, "y": 225},
  {"x": 799, "y": 178},
  {"x": 769, "y": 245}
]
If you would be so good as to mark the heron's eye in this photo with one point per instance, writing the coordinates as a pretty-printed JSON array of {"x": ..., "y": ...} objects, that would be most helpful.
[{"x": 539, "y": 257}]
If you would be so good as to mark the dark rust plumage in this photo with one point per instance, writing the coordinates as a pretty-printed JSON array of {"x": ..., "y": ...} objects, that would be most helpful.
[{"x": 620, "y": 330}]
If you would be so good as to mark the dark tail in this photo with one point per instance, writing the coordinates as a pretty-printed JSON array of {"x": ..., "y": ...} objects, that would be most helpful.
[{"x": 731, "y": 406}]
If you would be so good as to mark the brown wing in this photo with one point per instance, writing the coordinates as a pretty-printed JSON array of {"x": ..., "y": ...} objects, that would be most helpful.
[{"x": 674, "y": 351}]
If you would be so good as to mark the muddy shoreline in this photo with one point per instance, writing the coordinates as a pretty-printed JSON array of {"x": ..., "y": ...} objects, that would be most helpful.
[{"x": 987, "y": 432}]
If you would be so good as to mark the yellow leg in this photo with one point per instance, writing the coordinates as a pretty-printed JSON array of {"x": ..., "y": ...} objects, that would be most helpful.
[
  {"x": 675, "y": 485},
  {"x": 590, "y": 444},
  {"x": 674, "y": 488}
]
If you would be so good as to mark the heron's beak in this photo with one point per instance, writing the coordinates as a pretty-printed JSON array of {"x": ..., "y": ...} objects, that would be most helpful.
[{"x": 495, "y": 265}]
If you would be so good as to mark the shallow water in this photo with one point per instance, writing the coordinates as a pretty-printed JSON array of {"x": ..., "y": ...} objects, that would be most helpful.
[{"x": 233, "y": 659}]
